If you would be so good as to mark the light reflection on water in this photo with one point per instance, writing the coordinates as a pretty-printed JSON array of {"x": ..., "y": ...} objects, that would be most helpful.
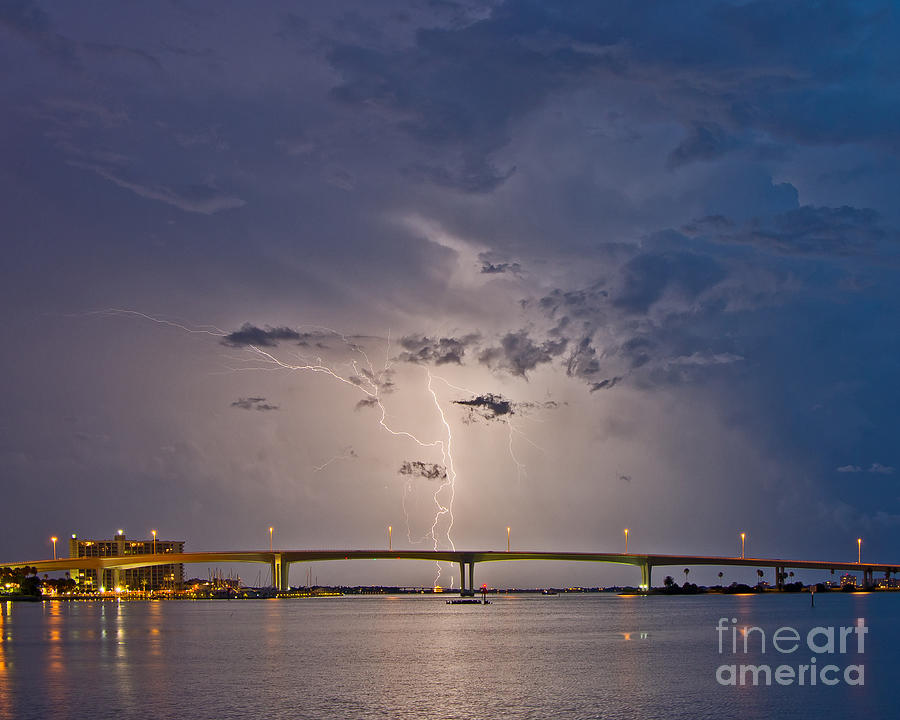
[{"x": 412, "y": 657}]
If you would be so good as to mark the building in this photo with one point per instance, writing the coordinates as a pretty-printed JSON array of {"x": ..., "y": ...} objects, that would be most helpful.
[{"x": 154, "y": 577}]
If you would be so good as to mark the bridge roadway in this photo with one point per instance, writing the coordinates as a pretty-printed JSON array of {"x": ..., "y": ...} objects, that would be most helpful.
[{"x": 281, "y": 560}]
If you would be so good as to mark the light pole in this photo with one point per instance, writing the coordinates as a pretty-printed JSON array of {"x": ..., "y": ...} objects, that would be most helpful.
[
  {"x": 53, "y": 540},
  {"x": 153, "y": 533},
  {"x": 507, "y": 538},
  {"x": 626, "y": 541},
  {"x": 743, "y": 535},
  {"x": 390, "y": 538},
  {"x": 271, "y": 530},
  {"x": 859, "y": 551}
]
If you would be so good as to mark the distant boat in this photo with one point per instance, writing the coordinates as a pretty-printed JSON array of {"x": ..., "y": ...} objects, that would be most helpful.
[
  {"x": 468, "y": 601},
  {"x": 549, "y": 592}
]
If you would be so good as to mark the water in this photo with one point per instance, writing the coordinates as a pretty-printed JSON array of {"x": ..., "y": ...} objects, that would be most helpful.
[{"x": 571, "y": 656}]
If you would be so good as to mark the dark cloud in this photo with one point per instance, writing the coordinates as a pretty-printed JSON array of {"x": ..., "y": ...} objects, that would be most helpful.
[
  {"x": 260, "y": 337},
  {"x": 440, "y": 351},
  {"x": 366, "y": 403},
  {"x": 758, "y": 67},
  {"x": 487, "y": 406},
  {"x": 499, "y": 268},
  {"x": 494, "y": 264},
  {"x": 807, "y": 230},
  {"x": 417, "y": 468},
  {"x": 582, "y": 361},
  {"x": 637, "y": 351},
  {"x": 475, "y": 176},
  {"x": 648, "y": 276},
  {"x": 28, "y": 20},
  {"x": 568, "y": 304},
  {"x": 706, "y": 141},
  {"x": 707, "y": 225},
  {"x": 459, "y": 89},
  {"x": 517, "y": 353},
  {"x": 605, "y": 384},
  {"x": 253, "y": 403}
]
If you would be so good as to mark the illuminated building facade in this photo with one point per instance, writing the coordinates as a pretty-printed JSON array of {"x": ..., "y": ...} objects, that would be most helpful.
[{"x": 155, "y": 577}]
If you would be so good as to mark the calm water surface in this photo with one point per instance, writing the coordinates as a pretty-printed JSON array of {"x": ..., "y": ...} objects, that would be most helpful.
[{"x": 571, "y": 656}]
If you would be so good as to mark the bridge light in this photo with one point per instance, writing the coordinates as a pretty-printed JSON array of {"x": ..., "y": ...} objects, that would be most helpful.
[
  {"x": 507, "y": 539},
  {"x": 859, "y": 551},
  {"x": 53, "y": 540},
  {"x": 743, "y": 535},
  {"x": 626, "y": 541}
]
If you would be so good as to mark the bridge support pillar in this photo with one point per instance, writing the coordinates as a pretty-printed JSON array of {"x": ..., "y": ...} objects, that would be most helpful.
[
  {"x": 646, "y": 569},
  {"x": 466, "y": 588},
  {"x": 281, "y": 573},
  {"x": 779, "y": 578},
  {"x": 868, "y": 579}
]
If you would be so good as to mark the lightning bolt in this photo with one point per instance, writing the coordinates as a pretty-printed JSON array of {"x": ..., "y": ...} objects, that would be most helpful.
[
  {"x": 348, "y": 454},
  {"x": 449, "y": 481},
  {"x": 521, "y": 470},
  {"x": 364, "y": 379}
]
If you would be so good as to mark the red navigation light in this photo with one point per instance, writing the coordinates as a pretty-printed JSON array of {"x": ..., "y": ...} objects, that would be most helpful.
[{"x": 484, "y": 587}]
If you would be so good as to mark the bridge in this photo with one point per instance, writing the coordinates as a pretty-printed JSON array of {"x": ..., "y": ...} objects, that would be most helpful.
[{"x": 280, "y": 561}]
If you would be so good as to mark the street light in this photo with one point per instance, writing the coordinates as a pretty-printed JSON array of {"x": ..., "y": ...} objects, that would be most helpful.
[
  {"x": 53, "y": 540},
  {"x": 626, "y": 541},
  {"x": 507, "y": 539},
  {"x": 153, "y": 533},
  {"x": 390, "y": 538},
  {"x": 743, "y": 535},
  {"x": 859, "y": 551},
  {"x": 271, "y": 530}
]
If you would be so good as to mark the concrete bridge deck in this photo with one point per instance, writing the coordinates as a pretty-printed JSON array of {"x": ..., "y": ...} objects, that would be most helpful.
[{"x": 281, "y": 560}]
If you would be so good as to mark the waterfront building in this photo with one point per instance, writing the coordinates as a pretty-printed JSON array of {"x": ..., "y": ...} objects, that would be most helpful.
[{"x": 155, "y": 577}]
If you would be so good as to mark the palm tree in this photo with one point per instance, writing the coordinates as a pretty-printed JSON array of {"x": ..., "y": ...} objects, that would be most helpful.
[
  {"x": 721, "y": 575},
  {"x": 761, "y": 575},
  {"x": 686, "y": 571},
  {"x": 669, "y": 581}
]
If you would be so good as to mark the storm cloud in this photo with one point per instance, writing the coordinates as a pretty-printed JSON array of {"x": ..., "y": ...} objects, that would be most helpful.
[
  {"x": 425, "y": 470},
  {"x": 487, "y": 406},
  {"x": 253, "y": 403},
  {"x": 261, "y": 337},
  {"x": 518, "y": 353},
  {"x": 807, "y": 230},
  {"x": 439, "y": 351}
]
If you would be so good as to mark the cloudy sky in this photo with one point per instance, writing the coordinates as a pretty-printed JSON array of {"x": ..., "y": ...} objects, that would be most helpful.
[{"x": 567, "y": 268}]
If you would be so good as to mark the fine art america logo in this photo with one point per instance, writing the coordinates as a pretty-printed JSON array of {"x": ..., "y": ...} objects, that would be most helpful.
[{"x": 835, "y": 655}]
